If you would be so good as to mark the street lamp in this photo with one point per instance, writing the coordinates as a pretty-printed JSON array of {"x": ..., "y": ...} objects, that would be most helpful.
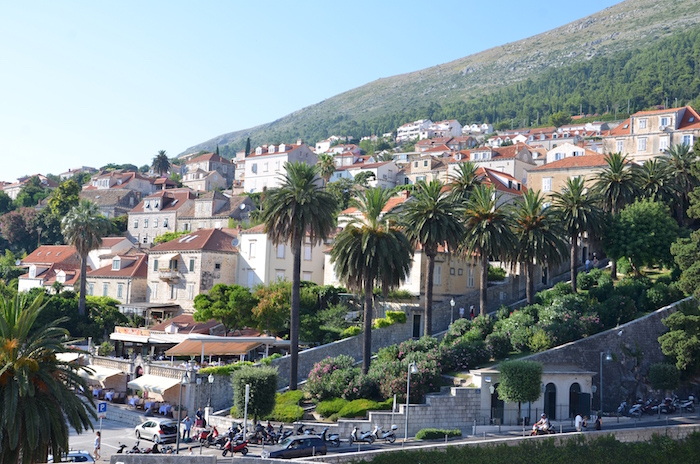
[
  {"x": 211, "y": 383},
  {"x": 452, "y": 313},
  {"x": 411, "y": 370},
  {"x": 607, "y": 358},
  {"x": 179, "y": 412}
]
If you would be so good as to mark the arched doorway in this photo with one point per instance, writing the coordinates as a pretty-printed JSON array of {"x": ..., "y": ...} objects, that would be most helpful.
[
  {"x": 574, "y": 391},
  {"x": 550, "y": 401},
  {"x": 497, "y": 405}
]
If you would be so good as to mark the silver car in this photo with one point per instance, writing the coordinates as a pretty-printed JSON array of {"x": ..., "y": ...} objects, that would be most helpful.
[
  {"x": 157, "y": 430},
  {"x": 75, "y": 456}
]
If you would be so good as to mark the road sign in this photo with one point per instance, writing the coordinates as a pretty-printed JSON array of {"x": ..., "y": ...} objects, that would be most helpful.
[{"x": 102, "y": 410}]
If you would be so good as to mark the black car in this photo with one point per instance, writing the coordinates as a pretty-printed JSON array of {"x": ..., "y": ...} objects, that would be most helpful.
[{"x": 297, "y": 446}]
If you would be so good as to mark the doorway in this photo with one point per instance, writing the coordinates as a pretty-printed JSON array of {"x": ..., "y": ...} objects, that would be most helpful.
[
  {"x": 497, "y": 406},
  {"x": 416, "y": 326},
  {"x": 574, "y": 392},
  {"x": 550, "y": 401}
]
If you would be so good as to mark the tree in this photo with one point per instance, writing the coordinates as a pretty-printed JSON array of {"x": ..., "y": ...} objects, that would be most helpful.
[
  {"x": 17, "y": 228},
  {"x": 247, "y": 146},
  {"x": 488, "y": 232},
  {"x": 37, "y": 405},
  {"x": 538, "y": 236},
  {"x": 431, "y": 221},
  {"x": 161, "y": 163},
  {"x": 463, "y": 182},
  {"x": 559, "y": 119},
  {"x": 682, "y": 341},
  {"x": 654, "y": 181},
  {"x": 520, "y": 382},
  {"x": 664, "y": 376},
  {"x": 299, "y": 209},
  {"x": 5, "y": 203},
  {"x": 105, "y": 313},
  {"x": 368, "y": 250},
  {"x": 679, "y": 162},
  {"x": 64, "y": 197},
  {"x": 643, "y": 232},
  {"x": 615, "y": 186},
  {"x": 84, "y": 227},
  {"x": 362, "y": 178},
  {"x": 342, "y": 190},
  {"x": 263, "y": 390},
  {"x": 231, "y": 305},
  {"x": 271, "y": 313},
  {"x": 31, "y": 193},
  {"x": 578, "y": 212},
  {"x": 326, "y": 167}
]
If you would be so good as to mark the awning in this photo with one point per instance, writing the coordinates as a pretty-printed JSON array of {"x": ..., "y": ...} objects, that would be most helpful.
[
  {"x": 166, "y": 257},
  {"x": 153, "y": 383},
  {"x": 70, "y": 356},
  {"x": 122, "y": 337},
  {"x": 203, "y": 347},
  {"x": 104, "y": 376}
]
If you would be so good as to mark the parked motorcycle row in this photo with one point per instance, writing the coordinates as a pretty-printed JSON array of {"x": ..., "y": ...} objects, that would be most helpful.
[
  {"x": 669, "y": 405},
  {"x": 155, "y": 449}
]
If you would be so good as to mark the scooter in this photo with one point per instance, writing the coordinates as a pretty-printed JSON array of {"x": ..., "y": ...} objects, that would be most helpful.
[
  {"x": 388, "y": 436},
  {"x": 241, "y": 447},
  {"x": 122, "y": 446},
  {"x": 622, "y": 409},
  {"x": 538, "y": 430},
  {"x": 212, "y": 438},
  {"x": 366, "y": 437},
  {"x": 688, "y": 405},
  {"x": 282, "y": 434},
  {"x": 636, "y": 410},
  {"x": 333, "y": 438}
]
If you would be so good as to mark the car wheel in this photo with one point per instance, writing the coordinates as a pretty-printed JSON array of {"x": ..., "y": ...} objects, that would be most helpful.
[
  {"x": 156, "y": 439},
  {"x": 138, "y": 435}
]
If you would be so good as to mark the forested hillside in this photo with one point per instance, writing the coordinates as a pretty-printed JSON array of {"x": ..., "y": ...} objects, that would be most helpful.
[{"x": 637, "y": 54}]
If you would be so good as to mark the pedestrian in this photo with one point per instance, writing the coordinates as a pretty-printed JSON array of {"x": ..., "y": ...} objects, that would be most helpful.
[
  {"x": 598, "y": 424},
  {"x": 471, "y": 311},
  {"x": 579, "y": 422},
  {"x": 595, "y": 261},
  {"x": 588, "y": 264},
  {"x": 98, "y": 443},
  {"x": 187, "y": 422},
  {"x": 199, "y": 422},
  {"x": 191, "y": 451}
]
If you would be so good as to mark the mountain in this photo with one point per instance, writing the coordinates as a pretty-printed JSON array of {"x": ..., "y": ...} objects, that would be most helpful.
[{"x": 612, "y": 36}]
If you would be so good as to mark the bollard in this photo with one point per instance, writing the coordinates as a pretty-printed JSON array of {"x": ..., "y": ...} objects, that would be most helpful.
[
  {"x": 474, "y": 429},
  {"x": 313, "y": 451},
  {"x": 445, "y": 438}
]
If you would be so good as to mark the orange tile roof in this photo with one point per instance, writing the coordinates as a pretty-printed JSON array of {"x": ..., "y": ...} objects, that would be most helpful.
[
  {"x": 169, "y": 196},
  {"x": 132, "y": 266},
  {"x": 203, "y": 239},
  {"x": 621, "y": 129},
  {"x": 686, "y": 122},
  {"x": 51, "y": 254},
  {"x": 585, "y": 161},
  {"x": 491, "y": 177},
  {"x": 209, "y": 157},
  {"x": 393, "y": 202}
]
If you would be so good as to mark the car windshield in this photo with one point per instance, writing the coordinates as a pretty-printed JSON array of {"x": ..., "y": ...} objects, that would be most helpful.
[{"x": 284, "y": 443}]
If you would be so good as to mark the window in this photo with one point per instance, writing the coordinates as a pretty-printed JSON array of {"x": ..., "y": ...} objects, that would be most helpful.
[
  {"x": 460, "y": 271},
  {"x": 116, "y": 263},
  {"x": 452, "y": 271},
  {"x": 425, "y": 163},
  {"x": 619, "y": 146},
  {"x": 547, "y": 184},
  {"x": 470, "y": 277},
  {"x": 165, "y": 222},
  {"x": 688, "y": 140},
  {"x": 437, "y": 277},
  {"x": 642, "y": 144},
  {"x": 136, "y": 224},
  {"x": 173, "y": 292},
  {"x": 173, "y": 264},
  {"x": 190, "y": 291},
  {"x": 145, "y": 223},
  {"x": 280, "y": 251},
  {"x": 217, "y": 266},
  {"x": 254, "y": 168},
  {"x": 145, "y": 239},
  {"x": 155, "y": 223},
  {"x": 105, "y": 289},
  {"x": 642, "y": 123},
  {"x": 120, "y": 290},
  {"x": 558, "y": 156},
  {"x": 251, "y": 248},
  {"x": 663, "y": 144},
  {"x": 265, "y": 167},
  {"x": 191, "y": 268},
  {"x": 279, "y": 274},
  {"x": 91, "y": 289},
  {"x": 155, "y": 264},
  {"x": 665, "y": 121},
  {"x": 306, "y": 276},
  {"x": 307, "y": 252},
  {"x": 154, "y": 286}
]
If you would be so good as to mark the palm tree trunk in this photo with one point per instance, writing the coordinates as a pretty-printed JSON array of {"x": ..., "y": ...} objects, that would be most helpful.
[
  {"x": 530, "y": 282},
  {"x": 83, "y": 285},
  {"x": 574, "y": 264},
  {"x": 367, "y": 331},
  {"x": 294, "y": 316},
  {"x": 428, "y": 323},
  {"x": 613, "y": 262},
  {"x": 483, "y": 297}
]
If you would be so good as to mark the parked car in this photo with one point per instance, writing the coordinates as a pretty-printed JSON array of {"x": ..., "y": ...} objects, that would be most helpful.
[
  {"x": 74, "y": 456},
  {"x": 157, "y": 430},
  {"x": 296, "y": 447}
]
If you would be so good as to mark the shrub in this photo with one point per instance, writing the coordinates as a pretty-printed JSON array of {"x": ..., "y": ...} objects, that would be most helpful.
[
  {"x": 286, "y": 407},
  {"x": 502, "y": 312},
  {"x": 595, "y": 273},
  {"x": 267, "y": 361},
  {"x": 604, "y": 278},
  {"x": 576, "y": 304},
  {"x": 329, "y": 407},
  {"x": 623, "y": 266},
  {"x": 657, "y": 295},
  {"x": 561, "y": 325},
  {"x": 423, "y": 345},
  {"x": 263, "y": 386},
  {"x": 603, "y": 291},
  {"x": 518, "y": 328},
  {"x": 359, "y": 408},
  {"x": 496, "y": 274},
  {"x": 388, "y": 354},
  {"x": 399, "y": 295},
  {"x": 381, "y": 323},
  {"x": 664, "y": 376},
  {"x": 484, "y": 324},
  {"x": 457, "y": 329},
  {"x": 540, "y": 340},
  {"x": 462, "y": 354},
  {"x": 498, "y": 345},
  {"x": 546, "y": 297},
  {"x": 361, "y": 386},
  {"x": 584, "y": 281},
  {"x": 616, "y": 310},
  {"x": 319, "y": 383},
  {"x": 590, "y": 324},
  {"x": 437, "y": 434},
  {"x": 391, "y": 376},
  {"x": 105, "y": 349},
  {"x": 226, "y": 370},
  {"x": 351, "y": 331},
  {"x": 396, "y": 317}
]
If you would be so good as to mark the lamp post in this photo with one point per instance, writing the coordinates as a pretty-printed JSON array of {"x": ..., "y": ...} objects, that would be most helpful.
[
  {"x": 607, "y": 358},
  {"x": 452, "y": 312},
  {"x": 411, "y": 370},
  {"x": 179, "y": 412},
  {"x": 211, "y": 383}
]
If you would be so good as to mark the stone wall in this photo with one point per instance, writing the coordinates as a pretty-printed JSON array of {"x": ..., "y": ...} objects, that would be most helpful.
[
  {"x": 161, "y": 459},
  {"x": 633, "y": 347}
]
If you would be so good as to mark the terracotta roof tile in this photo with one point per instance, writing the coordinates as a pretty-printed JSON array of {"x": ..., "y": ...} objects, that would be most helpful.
[
  {"x": 203, "y": 239},
  {"x": 585, "y": 161}
]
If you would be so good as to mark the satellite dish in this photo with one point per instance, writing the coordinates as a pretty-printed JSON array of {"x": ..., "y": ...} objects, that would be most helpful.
[
  {"x": 234, "y": 242},
  {"x": 242, "y": 206}
]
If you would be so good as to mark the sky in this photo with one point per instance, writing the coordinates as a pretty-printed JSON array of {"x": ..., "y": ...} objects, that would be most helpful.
[{"x": 86, "y": 83}]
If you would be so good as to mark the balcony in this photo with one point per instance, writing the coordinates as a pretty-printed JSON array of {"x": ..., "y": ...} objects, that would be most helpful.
[{"x": 168, "y": 275}]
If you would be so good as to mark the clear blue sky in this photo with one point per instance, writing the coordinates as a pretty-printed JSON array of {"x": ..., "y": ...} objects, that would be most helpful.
[{"x": 93, "y": 82}]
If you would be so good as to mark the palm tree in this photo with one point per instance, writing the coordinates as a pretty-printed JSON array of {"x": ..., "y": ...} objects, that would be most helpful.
[
  {"x": 431, "y": 221},
  {"x": 37, "y": 406},
  {"x": 679, "y": 163},
  {"x": 538, "y": 237},
  {"x": 326, "y": 167},
  {"x": 369, "y": 249},
  {"x": 615, "y": 186},
  {"x": 464, "y": 180},
  {"x": 654, "y": 181},
  {"x": 298, "y": 208},
  {"x": 578, "y": 212},
  {"x": 83, "y": 227},
  {"x": 488, "y": 233},
  {"x": 161, "y": 163}
]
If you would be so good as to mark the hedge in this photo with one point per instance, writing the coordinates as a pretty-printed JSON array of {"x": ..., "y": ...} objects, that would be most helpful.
[
  {"x": 434, "y": 434},
  {"x": 227, "y": 370},
  {"x": 285, "y": 409},
  {"x": 329, "y": 407},
  {"x": 359, "y": 408}
]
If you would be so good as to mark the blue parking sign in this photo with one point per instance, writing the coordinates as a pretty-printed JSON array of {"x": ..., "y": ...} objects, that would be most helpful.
[{"x": 102, "y": 409}]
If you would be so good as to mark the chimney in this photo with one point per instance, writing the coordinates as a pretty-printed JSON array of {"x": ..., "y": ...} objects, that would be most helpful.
[
  {"x": 299, "y": 142},
  {"x": 238, "y": 230},
  {"x": 406, "y": 194}
]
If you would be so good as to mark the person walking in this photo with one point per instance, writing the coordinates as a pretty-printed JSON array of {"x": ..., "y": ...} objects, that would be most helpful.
[
  {"x": 98, "y": 444},
  {"x": 579, "y": 422},
  {"x": 187, "y": 422}
]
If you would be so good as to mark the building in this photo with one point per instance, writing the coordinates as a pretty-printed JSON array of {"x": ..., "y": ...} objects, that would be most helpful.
[
  {"x": 552, "y": 177},
  {"x": 265, "y": 169},
  {"x": 477, "y": 129},
  {"x": 121, "y": 180},
  {"x": 515, "y": 160},
  {"x": 72, "y": 172},
  {"x": 412, "y": 130},
  {"x": 183, "y": 268},
  {"x": 12, "y": 190},
  {"x": 157, "y": 214},
  {"x": 111, "y": 247},
  {"x": 112, "y": 202},
  {"x": 207, "y": 172},
  {"x": 49, "y": 264},
  {"x": 425, "y": 167},
  {"x": 648, "y": 134},
  {"x": 447, "y": 128},
  {"x": 567, "y": 150},
  {"x": 123, "y": 279},
  {"x": 383, "y": 174},
  {"x": 214, "y": 210}
]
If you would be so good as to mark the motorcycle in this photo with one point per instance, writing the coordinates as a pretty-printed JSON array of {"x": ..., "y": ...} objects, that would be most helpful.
[
  {"x": 211, "y": 438},
  {"x": 122, "y": 446},
  {"x": 636, "y": 410},
  {"x": 366, "y": 437},
  {"x": 622, "y": 409},
  {"x": 333, "y": 438},
  {"x": 688, "y": 405},
  {"x": 282, "y": 434},
  {"x": 667, "y": 407},
  {"x": 388, "y": 436},
  {"x": 241, "y": 447},
  {"x": 540, "y": 430}
]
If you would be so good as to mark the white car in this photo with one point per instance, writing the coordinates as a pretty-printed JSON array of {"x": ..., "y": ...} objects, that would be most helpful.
[
  {"x": 157, "y": 430},
  {"x": 75, "y": 456}
]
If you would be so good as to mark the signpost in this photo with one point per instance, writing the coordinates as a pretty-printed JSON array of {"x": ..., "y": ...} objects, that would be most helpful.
[{"x": 102, "y": 413}]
